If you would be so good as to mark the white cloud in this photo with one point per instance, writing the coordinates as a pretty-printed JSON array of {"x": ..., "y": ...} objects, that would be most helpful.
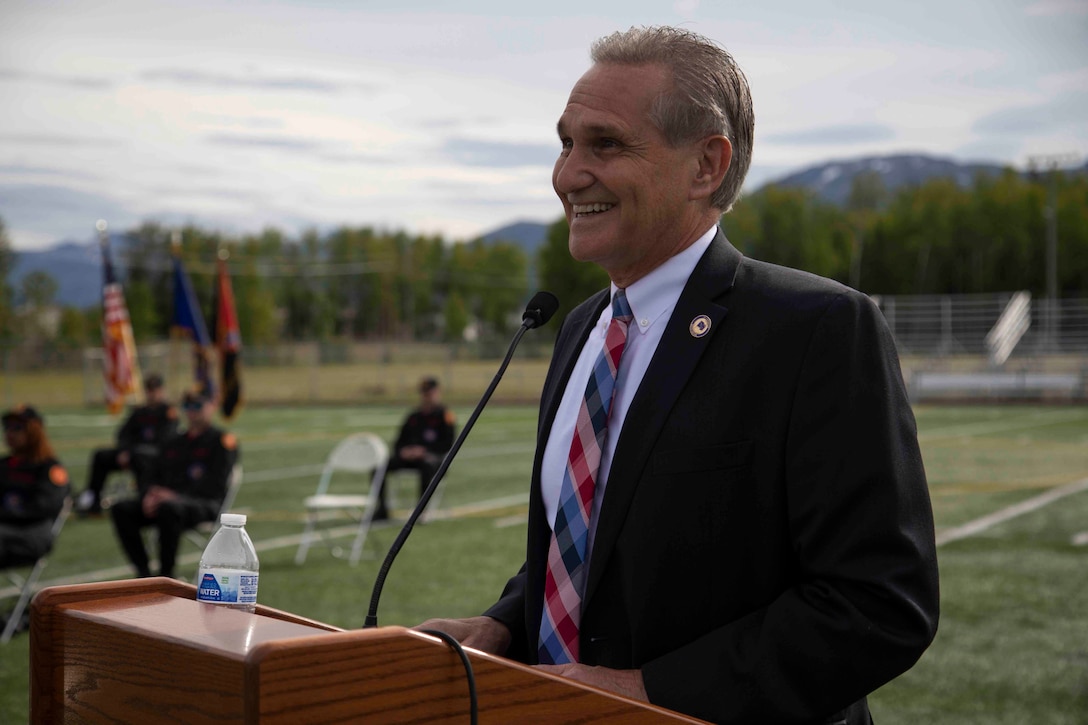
[
  {"x": 405, "y": 114},
  {"x": 1060, "y": 8}
]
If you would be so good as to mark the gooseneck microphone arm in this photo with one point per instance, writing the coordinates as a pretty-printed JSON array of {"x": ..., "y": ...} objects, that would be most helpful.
[{"x": 539, "y": 310}]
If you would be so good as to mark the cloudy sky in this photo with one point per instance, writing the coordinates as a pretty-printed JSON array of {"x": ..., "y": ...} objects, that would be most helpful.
[{"x": 438, "y": 117}]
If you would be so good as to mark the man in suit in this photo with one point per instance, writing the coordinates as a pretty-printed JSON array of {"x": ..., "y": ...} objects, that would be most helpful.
[{"x": 760, "y": 540}]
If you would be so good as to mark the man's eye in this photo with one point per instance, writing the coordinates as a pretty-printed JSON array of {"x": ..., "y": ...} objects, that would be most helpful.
[{"x": 566, "y": 144}]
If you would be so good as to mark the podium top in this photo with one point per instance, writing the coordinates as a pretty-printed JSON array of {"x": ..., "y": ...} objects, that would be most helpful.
[{"x": 211, "y": 627}]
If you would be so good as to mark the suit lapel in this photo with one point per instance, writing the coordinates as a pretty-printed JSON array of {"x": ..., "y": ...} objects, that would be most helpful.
[{"x": 672, "y": 365}]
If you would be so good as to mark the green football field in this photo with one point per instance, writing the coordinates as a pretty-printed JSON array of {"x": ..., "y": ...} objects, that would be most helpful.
[{"x": 1010, "y": 495}]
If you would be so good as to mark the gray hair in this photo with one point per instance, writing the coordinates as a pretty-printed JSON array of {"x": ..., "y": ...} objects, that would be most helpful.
[{"x": 709, "y": 95}]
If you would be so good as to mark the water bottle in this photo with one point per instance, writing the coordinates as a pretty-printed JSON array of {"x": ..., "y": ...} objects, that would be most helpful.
[{"x": 229, "y": 567}]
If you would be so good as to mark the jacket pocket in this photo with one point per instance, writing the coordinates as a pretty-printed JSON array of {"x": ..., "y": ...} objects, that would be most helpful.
[{"x": 695, "y": 460}]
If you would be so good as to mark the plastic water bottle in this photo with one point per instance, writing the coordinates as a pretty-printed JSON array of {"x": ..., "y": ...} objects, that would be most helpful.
[{"x": 229, "y": 567}]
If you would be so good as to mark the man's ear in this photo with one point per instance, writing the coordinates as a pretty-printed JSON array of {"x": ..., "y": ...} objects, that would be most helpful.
[{"x": 714, "y": 155}]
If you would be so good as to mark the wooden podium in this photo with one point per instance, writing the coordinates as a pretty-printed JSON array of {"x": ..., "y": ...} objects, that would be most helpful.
[{"x": 145, "y": 650}]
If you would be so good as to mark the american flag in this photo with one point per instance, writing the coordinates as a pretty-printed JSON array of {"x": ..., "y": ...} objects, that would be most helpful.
[{"x": 119, "y": 365}]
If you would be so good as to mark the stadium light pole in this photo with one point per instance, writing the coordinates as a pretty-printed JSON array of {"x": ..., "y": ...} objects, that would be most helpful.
[{"x": 1051, "y": 163}]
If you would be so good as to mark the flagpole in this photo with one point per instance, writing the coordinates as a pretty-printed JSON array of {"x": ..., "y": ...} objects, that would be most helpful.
[
  {"x": 102, "y": 227},
  {"x": 175, "y": 364},
  {"x": 228, "y": 340},
  {"x": 188, "y": 316},
  {"x": 223, "y": 254}
]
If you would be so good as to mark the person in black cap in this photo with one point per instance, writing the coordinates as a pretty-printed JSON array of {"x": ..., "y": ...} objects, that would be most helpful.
[
  {"x": 187, "y": 487},
  {"x": 33, "y": 486},
  {"x": 424, "y": 439},
  {"x": 139, "y": 441}
]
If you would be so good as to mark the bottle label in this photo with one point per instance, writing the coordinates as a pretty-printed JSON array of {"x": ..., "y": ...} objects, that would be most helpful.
[{"x": 227, "y": 586}]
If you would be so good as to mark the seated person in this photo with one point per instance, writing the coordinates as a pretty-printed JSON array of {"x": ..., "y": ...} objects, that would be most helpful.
[
  {"x": 187, "y": 487},
  {"x": 139, "y": 441},
  {"x": 423, "y": 441},
  {"x": 33, "y": 486}
]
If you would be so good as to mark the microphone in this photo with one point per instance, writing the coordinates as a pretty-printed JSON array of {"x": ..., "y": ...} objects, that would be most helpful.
[{"x": 539, "y": 310}]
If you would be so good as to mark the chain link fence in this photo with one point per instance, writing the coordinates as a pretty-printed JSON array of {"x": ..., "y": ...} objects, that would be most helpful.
[{"x": 941, "y": 341}]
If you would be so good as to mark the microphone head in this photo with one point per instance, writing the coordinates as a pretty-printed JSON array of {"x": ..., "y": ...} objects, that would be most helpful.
[{"x": 539, "y": 310}]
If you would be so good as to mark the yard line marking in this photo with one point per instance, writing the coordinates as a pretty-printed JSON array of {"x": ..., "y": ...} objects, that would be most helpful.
[
  {"x": 1038, "y": 420},
  {"x": 508, "y": 521},
  {"x": 286, "y": 541},
  {"x": 1010, "y": 512},
  {"x": 493, "y": 450},
  {"x": 278, "y": 474},
  {"x": 475, "y": 509},
  {"x": 292, "y": 540}
]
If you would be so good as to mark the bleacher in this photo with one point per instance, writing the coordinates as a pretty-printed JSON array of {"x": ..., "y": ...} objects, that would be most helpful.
[{"x": 991, "y": 347}]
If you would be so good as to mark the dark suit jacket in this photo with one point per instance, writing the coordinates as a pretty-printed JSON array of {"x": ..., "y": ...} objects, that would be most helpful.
[{"x": 765, "y": 549}]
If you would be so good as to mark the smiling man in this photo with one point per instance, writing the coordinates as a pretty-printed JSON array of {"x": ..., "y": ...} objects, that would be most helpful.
[{"x": 729, "y": 514}]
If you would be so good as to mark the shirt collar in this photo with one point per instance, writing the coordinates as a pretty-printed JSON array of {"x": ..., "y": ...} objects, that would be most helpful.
[{"x": 657, "y": 293}]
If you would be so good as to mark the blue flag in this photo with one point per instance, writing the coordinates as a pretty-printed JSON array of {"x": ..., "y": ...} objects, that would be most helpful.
[{"x": 188, "y": 317}]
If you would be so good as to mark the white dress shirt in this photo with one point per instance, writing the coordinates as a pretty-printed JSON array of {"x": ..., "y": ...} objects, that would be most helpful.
[{"x": 652, "y": 301}]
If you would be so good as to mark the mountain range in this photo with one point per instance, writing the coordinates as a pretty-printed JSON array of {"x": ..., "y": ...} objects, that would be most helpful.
[{"x": 77, "y": 267}]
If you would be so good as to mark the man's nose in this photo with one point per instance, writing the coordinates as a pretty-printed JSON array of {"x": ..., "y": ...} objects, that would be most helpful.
[{"x": 572, "y": 172}]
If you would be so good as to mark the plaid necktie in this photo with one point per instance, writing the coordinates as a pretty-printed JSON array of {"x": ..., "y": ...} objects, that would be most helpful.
[{"x": 567, "y": 565}]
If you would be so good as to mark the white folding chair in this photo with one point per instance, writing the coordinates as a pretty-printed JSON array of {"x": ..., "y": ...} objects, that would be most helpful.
[
  {"x": 203, "y": 531},
  {"x": 26, "y": 584},
  {"x": 364, "y": 454}
]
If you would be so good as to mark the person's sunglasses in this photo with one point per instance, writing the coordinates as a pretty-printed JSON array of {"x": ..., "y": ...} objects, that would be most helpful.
[{"x": 15, "y": 426}]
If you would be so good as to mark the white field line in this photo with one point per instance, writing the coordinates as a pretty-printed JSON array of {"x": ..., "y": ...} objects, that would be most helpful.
[
  {"x": 312, "y": 469},
  {"x": 289, "y": 541},
  {"x": 948, "y": 535},
  {"x": 1010, "y": 512}
]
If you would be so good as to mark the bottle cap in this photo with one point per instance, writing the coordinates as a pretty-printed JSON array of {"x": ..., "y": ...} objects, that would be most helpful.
[{"x": 233, "y": 519}]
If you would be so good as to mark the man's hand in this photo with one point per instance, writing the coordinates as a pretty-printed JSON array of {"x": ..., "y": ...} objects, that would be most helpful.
[
  {"x": 482, "y": 633},
  {"x": 412, "y": 453},
  {"x": 623, "y": 682},
  {"x": 155, "y": 496}
]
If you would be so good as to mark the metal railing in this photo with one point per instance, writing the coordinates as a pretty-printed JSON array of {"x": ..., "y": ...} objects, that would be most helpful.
[{"x": 941, "y": 325}]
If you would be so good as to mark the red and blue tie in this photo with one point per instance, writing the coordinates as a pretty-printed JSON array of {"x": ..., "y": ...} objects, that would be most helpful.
[{"x": 567, "y": 565}]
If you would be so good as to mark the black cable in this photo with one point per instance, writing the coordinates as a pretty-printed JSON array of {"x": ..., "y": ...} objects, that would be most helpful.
[{"x": 456, "y": 646}]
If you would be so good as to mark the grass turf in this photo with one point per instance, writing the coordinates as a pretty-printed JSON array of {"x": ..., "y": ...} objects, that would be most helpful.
[{"x": 1011, "y": 646}]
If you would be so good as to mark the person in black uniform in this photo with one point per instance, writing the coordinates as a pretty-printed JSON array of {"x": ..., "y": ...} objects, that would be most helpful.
[
  {"x": 424, "y": 439},
  {"x": 187, "y": 487},
  {"x": 33, "y": 486},
  {"x": 139, "y": 441}
]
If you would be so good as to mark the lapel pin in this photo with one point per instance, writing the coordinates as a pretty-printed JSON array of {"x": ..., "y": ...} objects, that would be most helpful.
[{"x": 699, "y": 326}]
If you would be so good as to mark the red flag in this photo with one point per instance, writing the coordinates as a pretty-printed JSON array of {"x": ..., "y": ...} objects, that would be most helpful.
[
  {"x": 228, "y": 338},
  {"x": 120, "y": 367}
]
